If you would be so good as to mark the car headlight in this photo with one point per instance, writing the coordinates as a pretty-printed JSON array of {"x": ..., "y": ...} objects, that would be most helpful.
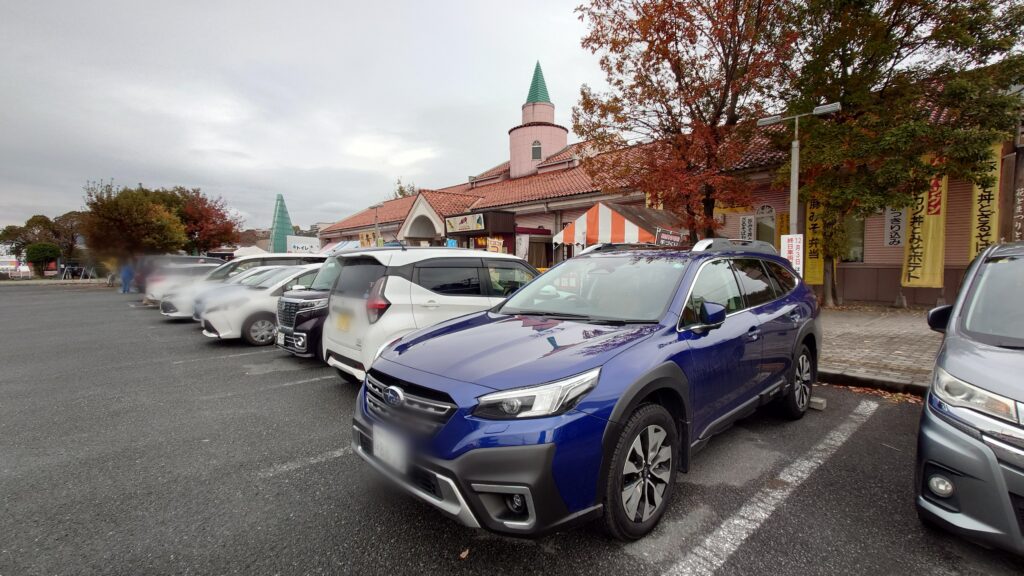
[
  {"x": 313, "y": 304},
  {"x": 230, "y": 304},
  {"x": 537, "y": 401},
  {"x": 956, "y": 392}
]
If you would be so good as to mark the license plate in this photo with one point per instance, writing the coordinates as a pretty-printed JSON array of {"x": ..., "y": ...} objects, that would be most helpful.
[
  {"x": 343, "y": 321},
  {"x": 280, "y": 338},
  {"x": 389, "y": 448}
]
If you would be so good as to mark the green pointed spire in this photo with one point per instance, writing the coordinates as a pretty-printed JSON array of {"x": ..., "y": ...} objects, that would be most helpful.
[
  {"x": 281, "y": 228},
  {"x": 538, "y": 89}
]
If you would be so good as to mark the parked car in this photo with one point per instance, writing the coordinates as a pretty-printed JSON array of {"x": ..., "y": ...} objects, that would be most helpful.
[
  {"x": 146, "y": 265},
  {"x": 970, "y": 447},
  {"x": 301, "y": 313},
  {"x": 248, "y": 313},
  {"x": 384, "y": 293},
  {"x": 168, "y": 277},
  {"x": 240, "y": 281},
  {"x": 179, "y": 304},
  {"x": 587, "y": 390}
]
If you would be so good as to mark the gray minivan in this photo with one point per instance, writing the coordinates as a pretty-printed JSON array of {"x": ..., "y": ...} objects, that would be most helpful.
[{"x": 970, "y": 446}]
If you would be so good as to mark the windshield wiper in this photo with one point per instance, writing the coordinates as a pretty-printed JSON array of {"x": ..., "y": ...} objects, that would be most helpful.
[
  {"x": 619, "y": 321},
  {"x": 547, "y": 314}
]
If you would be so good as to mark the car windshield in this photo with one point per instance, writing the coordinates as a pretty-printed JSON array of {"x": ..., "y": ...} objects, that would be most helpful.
[
  {"x": 326, "y": 276},
  {"x": 251, "y": 278},
  {"x": 603, "y": 287},
  {"x": 275, "y": 276},
  {"x": 994, "y": 314}
]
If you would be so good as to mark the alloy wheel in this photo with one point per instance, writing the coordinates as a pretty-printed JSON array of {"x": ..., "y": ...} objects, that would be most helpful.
[
  {"x": 646, "y": 473},
  {"x": 262, "y": 331},
  {"x": 803, "y": 377}
]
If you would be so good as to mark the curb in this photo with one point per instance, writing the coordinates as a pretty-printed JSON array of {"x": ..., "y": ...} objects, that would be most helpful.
[{"x": 832, "y": 375}]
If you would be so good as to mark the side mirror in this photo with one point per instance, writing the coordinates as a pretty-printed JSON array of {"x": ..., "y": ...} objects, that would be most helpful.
[
  {"x": 938, "y": 318},
  {"x": 298, "y": 287},
  {"x": 712, "y": 314}
]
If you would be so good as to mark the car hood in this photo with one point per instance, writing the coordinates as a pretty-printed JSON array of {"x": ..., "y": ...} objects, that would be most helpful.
[
  {"x": 306, "y": 294},
  {"x": 502, "y": 352},
  {"x": 218, "y": 291},
  {"x": 990, "y": 367}
]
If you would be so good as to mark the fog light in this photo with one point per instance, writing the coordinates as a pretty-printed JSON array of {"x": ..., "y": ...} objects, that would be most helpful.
[
  {"x": 516, "y": 503},
  {"x": 940, "y": 486},
  {"x": 300, "y": 341}
]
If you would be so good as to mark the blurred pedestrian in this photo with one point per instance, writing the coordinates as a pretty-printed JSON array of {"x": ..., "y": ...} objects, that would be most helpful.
[{"x": 127, "y": 274}]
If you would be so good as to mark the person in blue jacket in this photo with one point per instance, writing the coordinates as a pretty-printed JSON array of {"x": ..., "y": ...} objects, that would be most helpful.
[{"x": 127, "y": 274}]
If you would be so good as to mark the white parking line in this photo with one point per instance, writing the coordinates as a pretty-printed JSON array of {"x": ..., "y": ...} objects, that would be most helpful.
[
  {"x": 206, "y": 358},
  {"x": 716, "y": 549},
  {"x": 265, "y": 388},
  {"x": 303, "y": 462}
]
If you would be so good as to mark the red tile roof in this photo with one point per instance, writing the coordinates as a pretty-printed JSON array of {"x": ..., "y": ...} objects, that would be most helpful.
[
  {"x": 536, "y": 187},
  {"x": 497, "y": 170},
  {"x": 449, "y": 203},
  {"x": 391, "y": 211},
  {"x": 576, "y": 149}
]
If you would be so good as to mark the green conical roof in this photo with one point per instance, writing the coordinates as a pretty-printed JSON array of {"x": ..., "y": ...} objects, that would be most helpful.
[
  {"x": 538, "y": 89},
  {"x": 281, "y": 227}
]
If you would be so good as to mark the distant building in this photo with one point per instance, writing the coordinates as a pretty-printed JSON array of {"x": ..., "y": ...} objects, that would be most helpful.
[{"x": 542, "y": 205}]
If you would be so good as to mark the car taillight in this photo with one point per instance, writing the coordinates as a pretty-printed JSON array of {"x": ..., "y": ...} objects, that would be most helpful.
[{"x": 376, "y": 303}]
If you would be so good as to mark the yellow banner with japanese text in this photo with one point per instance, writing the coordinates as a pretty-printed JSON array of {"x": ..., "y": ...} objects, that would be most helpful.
[
  {"x": 924, "y": 251},
  {"x": 814, "y": 263},
  {"x": 985, "y": 207}
]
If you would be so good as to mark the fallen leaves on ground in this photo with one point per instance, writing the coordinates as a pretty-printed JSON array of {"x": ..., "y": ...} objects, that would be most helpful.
[
  {"x": 894, "y": 396},
  {"x": 464, "y": 555}
]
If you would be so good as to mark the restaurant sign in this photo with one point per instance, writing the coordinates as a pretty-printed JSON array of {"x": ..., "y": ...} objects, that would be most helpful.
[
  {"x": 985, "y": 206},
  {"x": 814, "y": 262},
  {"x": 464, "y": 223},
  {"x": 664, "y": 237},
  {"x": 925, "y": 249},
  {"x": 895, "y": 226},
  {"x": 793, "y": 250}
]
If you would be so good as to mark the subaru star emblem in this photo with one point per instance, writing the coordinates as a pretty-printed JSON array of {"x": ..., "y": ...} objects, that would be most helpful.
[{"x": 393, "y": 395}]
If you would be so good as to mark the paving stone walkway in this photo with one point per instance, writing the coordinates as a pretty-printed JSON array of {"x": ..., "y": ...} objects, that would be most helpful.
[{"x": 878, "y": 346}]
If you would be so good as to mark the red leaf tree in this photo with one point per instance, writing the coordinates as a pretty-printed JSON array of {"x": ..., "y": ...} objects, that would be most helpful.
[
  {"x": 208, "y": 224},
  {"x": 687, "y": 80}
]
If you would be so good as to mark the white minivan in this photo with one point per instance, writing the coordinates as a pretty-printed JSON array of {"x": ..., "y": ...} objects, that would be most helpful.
[{"x": 382, "y": 294}]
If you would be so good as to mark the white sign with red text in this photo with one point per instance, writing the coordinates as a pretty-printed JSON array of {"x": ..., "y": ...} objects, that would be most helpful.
[{"x": 793, "y": 250}]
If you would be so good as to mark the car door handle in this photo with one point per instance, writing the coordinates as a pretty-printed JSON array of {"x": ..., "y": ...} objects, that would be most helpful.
[
  {"x": 431, "y": 304},
  {"x": 753, "y": 334}
]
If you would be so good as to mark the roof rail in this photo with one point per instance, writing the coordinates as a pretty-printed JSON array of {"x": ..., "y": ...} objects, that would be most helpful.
[{"x": 733, "y": 245}]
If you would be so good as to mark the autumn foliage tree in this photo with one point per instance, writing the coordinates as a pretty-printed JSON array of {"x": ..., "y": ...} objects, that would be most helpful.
[
  {"x": 687, "y": 81},
  {"x": 125, "y": 222},
  {"x": 208, "y": 224}
]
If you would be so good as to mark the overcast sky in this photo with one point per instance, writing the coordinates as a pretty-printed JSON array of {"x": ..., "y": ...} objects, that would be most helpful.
[{"x": 325, "y": 102}]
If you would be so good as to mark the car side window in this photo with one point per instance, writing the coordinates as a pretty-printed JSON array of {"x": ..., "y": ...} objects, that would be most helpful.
[
  {"x": 243, "y": 266},
  {"x": 715, "y": 283},
  {"x": 784, "y": 279},
  {"x": 754, "y": 281},
  {"x": 506, "y": 277},
  {"x": 305, "y": 280},
  {"x": 463, "y": 281}
]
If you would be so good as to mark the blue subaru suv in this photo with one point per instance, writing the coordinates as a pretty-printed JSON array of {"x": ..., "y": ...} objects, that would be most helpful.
[{"x": 588, "y": 389}]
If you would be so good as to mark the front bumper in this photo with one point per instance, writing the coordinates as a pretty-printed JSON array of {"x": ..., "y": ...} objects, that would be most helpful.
[
  {"x": 472, "y": 488},
  {"x": 988, "y": 501},
  {"x": 219, "y": 325},
  {"x": 303, "y": 340},
  {"x": 173, "y": 309}
]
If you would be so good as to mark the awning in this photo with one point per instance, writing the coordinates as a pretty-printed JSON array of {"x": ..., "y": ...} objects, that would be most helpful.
[
  {"x": 609, "y": 222},
  {"x": 248, "y": 251}
]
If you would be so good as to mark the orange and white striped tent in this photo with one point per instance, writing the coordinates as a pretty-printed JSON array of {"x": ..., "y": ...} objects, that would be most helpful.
[{"x": 609, "y": 222}]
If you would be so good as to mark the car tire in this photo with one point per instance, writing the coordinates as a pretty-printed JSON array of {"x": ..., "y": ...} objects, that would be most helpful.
[
  {"x": 804, "y": 373},
  {"x": 628, "y": 511},
  {"x": 255, "y": 331}
]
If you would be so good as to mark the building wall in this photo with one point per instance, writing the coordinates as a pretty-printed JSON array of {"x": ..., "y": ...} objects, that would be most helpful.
[{"x": 521, "y": 162}]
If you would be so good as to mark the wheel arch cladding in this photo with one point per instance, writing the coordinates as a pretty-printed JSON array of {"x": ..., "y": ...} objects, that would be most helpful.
[{"x": 665, "y": 384}]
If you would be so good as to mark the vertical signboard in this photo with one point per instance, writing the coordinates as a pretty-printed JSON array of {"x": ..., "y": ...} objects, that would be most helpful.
[
  {"x": 793, "y": 250},
  {"x": 747, "y": 225},
  {"x": 924, "y": 251},
  {"x": 495, "y": 245},
  {"x": 895, "y": 226},
  {"x": 781, "y": 228},
  {"x": 985, "y": 207},
  {"x": 814, "y": 263}
]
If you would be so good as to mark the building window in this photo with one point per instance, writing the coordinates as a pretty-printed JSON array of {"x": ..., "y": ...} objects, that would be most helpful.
[
  {"x": 854, "y": 228},
  {"x": 536, "y": 149},
  {"x": 765, "y": 216}
]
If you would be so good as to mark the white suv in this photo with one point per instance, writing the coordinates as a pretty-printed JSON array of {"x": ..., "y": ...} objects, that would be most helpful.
[{"x": 383, "y": 294}]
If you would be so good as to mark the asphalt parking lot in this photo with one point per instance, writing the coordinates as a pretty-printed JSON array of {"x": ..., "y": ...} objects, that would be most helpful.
[{"x": 133, "y": 445}]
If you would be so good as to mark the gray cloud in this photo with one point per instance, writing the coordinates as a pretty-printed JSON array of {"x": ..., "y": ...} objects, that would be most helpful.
[{"x": 325, "y": 102}]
